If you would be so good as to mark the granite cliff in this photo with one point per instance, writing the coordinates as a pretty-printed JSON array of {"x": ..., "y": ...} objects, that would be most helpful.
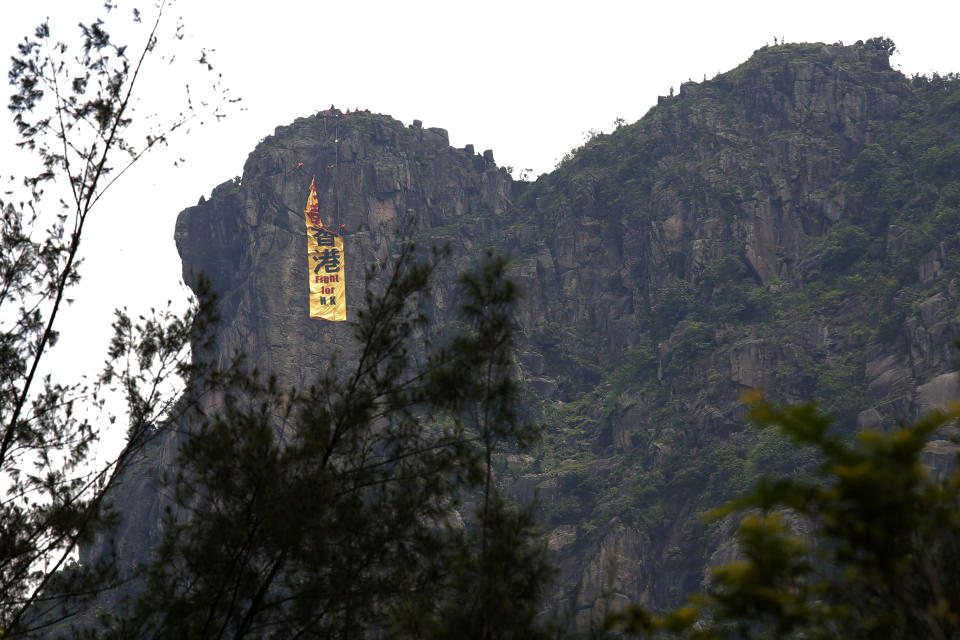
[{"x": 792, "y": 224}]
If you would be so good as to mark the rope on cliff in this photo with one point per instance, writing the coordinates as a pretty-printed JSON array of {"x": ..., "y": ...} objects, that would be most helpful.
[{"x": 336, "y": 172}]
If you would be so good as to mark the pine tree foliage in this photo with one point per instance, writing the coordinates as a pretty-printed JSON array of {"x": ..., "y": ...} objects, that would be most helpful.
[
  {"x": 879, "y": 561},
  {"x": 74, "y": 105},
  {"x": 331, "y": 511}
]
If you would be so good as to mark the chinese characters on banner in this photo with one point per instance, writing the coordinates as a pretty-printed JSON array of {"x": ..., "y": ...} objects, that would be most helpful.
[{"x": 328, "y": 287}]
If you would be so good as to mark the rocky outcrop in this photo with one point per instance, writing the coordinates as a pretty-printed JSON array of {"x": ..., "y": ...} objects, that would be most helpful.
[
  {"x": 377, "y": 178},
  {"x": 615, "y": 572},
  {"x": 723, "y": 242}
]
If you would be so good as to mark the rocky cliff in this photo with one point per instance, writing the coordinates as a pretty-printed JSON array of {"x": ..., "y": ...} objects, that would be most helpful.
[{"x": 792, "y": 224}]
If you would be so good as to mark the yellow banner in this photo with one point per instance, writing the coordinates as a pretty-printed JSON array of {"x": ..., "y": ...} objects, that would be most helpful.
[{"x": 328, "y": 287}]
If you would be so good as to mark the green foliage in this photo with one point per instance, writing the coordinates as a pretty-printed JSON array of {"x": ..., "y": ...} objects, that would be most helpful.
[
  {"x": 331, "y": 511},
  {"x": 490, "y": 596},
  {"x": 73, "y": 107},
  {"x": 734, "y": 295},
  {"x": 867, "y": 220},
  {"x": 639, "y": 365},
  {"x": 844, "y": 246},
  {"x": 880, "y": 43},
  {"x": 674, "y": 302},
  {"x": 570, "y": 355},
  {"x": 696, "y": 339},
  {"x": 878, "y": 560}
]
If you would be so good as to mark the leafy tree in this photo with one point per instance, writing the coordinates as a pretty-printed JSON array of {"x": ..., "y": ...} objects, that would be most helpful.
[
  {"x": 879, "y": 561},
  {"x": 74, "y": 106},
  {"x": 494, "y": 573},
  {"x": 332, "y": 512},
  {"x": 881, "y": 43},
  {"x": 492, "y": 582},
  {"x": 674, "y": 302}
]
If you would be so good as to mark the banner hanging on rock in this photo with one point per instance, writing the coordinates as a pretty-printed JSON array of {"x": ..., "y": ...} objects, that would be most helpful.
[{"x": 328, "y": 288}]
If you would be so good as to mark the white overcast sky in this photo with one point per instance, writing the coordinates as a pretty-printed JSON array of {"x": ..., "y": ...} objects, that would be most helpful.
[{"x": 524, "y": 78}]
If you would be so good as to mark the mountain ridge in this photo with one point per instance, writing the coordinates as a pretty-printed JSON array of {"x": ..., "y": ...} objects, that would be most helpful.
[{"x": 791, "y": 224}]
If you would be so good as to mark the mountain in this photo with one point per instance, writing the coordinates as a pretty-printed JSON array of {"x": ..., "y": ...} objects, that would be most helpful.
[{"x": 792, "y": 224}]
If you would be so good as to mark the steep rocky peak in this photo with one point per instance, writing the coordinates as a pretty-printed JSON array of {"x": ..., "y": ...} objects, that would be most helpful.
[
  {"x": 790, "y": 224},
  {"x": 375, "y": 178}
]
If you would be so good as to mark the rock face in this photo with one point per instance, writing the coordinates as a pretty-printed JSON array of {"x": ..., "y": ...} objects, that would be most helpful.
[
  {"x": 742, "y": 234},
  {"x": 374, "y": 177},
  {"x": 379, "y": 178}
]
